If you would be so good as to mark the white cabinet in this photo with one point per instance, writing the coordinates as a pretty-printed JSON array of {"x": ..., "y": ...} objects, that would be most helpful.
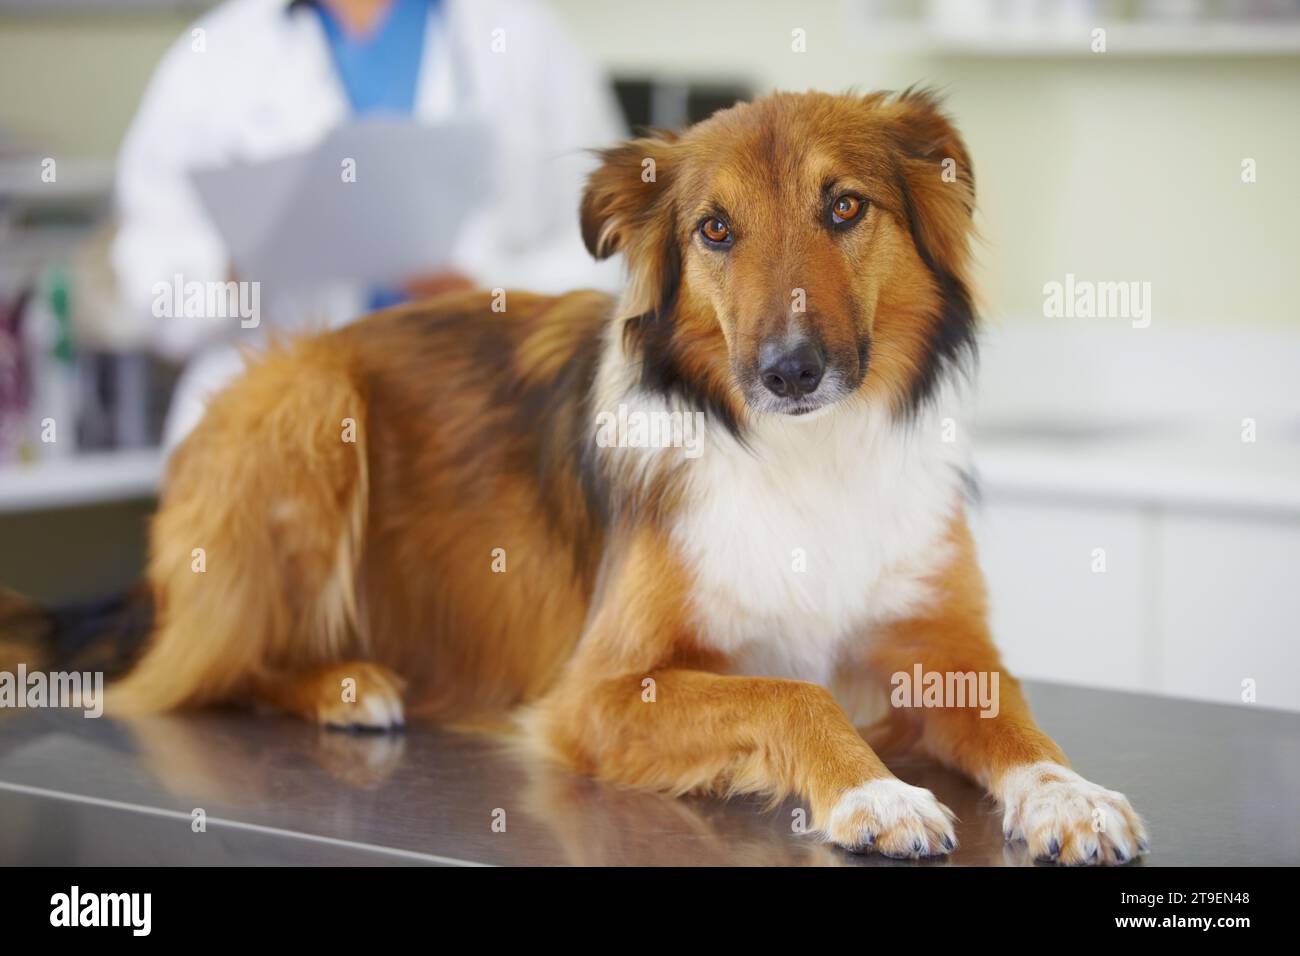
[
  {"x": 1230, "y": 608},
  {"x": 1191, "y": 604},
  {"x": 1176, "y": 448},
  {"x": 1053, "y": 615}
]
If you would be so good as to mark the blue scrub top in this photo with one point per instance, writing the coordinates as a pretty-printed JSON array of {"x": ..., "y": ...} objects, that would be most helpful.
[{"x": 380, "y": 73}]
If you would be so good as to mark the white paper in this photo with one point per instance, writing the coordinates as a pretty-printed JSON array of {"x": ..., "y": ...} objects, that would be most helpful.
[{"x": 298, "y": 220}]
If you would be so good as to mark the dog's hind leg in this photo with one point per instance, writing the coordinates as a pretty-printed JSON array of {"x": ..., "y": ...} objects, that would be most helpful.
[{"x": 255, "y": 551}]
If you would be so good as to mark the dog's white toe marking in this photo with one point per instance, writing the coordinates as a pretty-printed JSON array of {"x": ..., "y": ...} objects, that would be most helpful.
[
  {"x": 893, "y": 818},
  {"x": 1065, "y": 818},
  {"x": 378, "y": 706}
]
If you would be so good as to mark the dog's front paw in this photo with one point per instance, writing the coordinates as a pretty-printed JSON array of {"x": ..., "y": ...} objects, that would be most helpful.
[
  {"x": 892, "y": 818},
  {"x": 1066, "y": 819}
]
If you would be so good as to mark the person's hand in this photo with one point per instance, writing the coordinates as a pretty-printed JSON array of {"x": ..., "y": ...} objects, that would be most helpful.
[{"x": 430, "y": 284}]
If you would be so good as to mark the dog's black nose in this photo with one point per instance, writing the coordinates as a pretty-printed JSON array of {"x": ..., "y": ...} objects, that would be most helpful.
[{"x": 792, "y": 373}]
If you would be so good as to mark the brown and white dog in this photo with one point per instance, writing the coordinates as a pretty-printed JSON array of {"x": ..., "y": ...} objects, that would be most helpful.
[{"x": 435, "y": 503}]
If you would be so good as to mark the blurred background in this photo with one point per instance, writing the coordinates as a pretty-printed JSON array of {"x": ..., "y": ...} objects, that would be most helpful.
[{"x": 1140, "y": 521}]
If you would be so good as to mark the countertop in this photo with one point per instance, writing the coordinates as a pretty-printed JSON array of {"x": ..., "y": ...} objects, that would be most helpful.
[{"x": 1218, "y": 785}]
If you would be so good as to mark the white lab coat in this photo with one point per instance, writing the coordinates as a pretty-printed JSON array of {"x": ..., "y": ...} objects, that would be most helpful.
[{"x": 258, "y": 83}]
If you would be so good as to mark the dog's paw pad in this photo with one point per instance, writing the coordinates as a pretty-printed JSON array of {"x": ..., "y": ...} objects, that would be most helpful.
[
  {"x": 1064, "y": 818},
  {"x": 892, "y": 818},
  {"x": 361, "y": 697}
]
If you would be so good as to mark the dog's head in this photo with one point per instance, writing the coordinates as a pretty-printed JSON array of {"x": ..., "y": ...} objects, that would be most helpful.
[{"x": 794, "y": 252}]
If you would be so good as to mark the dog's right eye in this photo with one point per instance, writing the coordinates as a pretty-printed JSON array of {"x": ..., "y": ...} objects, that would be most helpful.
[{"x": 715, "y": 231}]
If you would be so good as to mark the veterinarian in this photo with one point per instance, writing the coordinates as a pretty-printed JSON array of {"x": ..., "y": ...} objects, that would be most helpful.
[{"x": 257, "y": 79}]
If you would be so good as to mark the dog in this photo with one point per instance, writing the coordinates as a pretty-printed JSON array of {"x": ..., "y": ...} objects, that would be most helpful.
[{"x": 681, "y": 540}]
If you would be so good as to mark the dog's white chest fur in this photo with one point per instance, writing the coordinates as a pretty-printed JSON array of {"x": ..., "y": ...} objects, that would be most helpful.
[{"x": 816, "y": 533}]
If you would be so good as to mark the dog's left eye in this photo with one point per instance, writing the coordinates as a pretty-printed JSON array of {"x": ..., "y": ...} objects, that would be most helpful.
[{"x": 847, "y": 208}]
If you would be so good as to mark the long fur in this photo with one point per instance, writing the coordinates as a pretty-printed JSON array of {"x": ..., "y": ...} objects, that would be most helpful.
[{"x": 417, "y": 505}]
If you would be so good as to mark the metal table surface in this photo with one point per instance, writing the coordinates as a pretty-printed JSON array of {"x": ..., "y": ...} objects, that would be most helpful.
[{"x": 1218, "y": 785}]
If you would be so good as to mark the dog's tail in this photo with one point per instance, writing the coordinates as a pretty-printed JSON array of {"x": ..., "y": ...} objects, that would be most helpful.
[{"x": 102, "y": 634}]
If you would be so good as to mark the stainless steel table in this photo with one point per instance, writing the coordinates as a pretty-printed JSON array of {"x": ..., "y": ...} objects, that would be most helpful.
[{"x": 1218, "y": 785}]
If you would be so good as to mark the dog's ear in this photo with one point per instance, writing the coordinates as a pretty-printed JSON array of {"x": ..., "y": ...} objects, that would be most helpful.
[
  {"x": 937, "y": 179},
  {"x": 627, "y": 208},
  {"x": 624, "y": 192}
]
